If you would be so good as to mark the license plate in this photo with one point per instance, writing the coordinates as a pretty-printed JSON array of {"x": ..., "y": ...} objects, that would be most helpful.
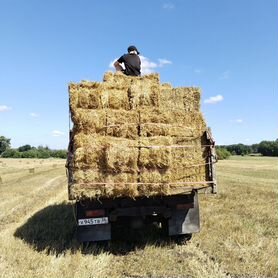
[{"x": 92, "y": 221}]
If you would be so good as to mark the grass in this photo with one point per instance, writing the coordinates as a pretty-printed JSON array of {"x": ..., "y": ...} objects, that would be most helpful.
[{"x": 238, "y": 236}]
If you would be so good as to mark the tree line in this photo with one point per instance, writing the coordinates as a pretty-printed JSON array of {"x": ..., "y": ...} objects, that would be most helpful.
[
  {"x": 28, "y": 151},
  {"x": 265, "y": 148}
]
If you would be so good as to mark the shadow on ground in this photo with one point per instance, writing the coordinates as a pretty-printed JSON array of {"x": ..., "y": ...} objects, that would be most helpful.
[{"x": 53, "y": 230}]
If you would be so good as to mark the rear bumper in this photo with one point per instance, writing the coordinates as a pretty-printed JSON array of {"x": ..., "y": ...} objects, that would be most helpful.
[{"x": 180, "y": 213}]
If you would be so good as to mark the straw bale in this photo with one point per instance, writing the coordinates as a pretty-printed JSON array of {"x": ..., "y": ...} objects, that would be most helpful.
[
  {"x": 129, "y": 92},
  {"x": 189, "y": 163},
  {"x": 166, "y": 86},
  {"x": 118, "y": 91},
  {"x": 155, "y": 176},
  {"x": 89, "y": 151},
  {"x": 78, "y": 191},
  {"x": 73, "y": 96},
  {"x": 89, "y": 84},
  {"x": 115, "y": 96},
  {"x": 109, "y": 154},
  {"x": 88, "y": 175},
  {"x": 191, "y": 97},
  {"x": 146, "y": 93},
  {"x": 117, "y": 79},
  {"x": 103, "y": 96},
  {"x": 182, "y": 98},
  {"x": 90, "y": 121},
  {"x": 162, "y": 152},
  {"x": 154, "y": 154},
  {"x": 122, "y": 123},
  {"x": 191, "y": 172},
  {"x": 154, "y": 182},
  {"x": 175, "y": 123},
  {"x": 91, "y": 184},
  {"x": 89, "y": 156},
  {"x": 85, "y": 97},
  {"x": 121, "y": 156},
  {"x": 123, "y": 184},
  {"x": 174, "y": 161},
  {"x": 120, "y": 79}
]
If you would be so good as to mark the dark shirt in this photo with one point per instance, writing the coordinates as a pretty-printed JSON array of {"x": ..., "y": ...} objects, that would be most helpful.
[{"x": 132, "y": 64}]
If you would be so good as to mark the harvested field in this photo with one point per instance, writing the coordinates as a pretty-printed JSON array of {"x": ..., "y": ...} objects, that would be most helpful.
[{"x": 238, "y": 238}]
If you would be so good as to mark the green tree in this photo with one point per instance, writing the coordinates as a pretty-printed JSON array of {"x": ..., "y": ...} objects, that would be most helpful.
[
  {"x": 24, "y": 148},
  {"x": 222, "y": 153},
  {"x": 43, "y": 153},
  {"x": 32, "y": 153},
  {"x": 11, "y": 153},
  {"x": 268, "y": 148},
  {"x": 239, "y": 149},
  {"x": 5, "y": 144},
  {"x": 59, "y": 153}
]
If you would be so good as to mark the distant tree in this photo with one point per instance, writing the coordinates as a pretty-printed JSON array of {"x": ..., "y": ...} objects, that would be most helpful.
[
  {"x": 239, "y": 149},
  {"x": 268, "y": 148},
  {"x": 24, "y": 148},
  {"x": 44, "y": 153},
  {"x": 254, "y": 148},
  {"x": 5, "y": 144},
  {"x": 12, "y": 153},
  {"x": 43, "y": 148},
  {"x": 32, "y": 153},
  {"x": 222, "y": 153},
  {"x": 59, "y": 153}
]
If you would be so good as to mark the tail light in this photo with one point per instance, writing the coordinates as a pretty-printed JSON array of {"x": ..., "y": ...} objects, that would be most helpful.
[
  {"x": 185, "y": 206},
  {"x": 95, "y": 213}
]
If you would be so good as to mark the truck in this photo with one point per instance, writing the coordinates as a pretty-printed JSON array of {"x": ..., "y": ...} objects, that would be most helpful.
[{"x": 130, "y": 162}]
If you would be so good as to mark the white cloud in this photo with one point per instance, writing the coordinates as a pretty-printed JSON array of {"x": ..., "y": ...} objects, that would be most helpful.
[
  {"x": 148, "y": 66},
  {"x": 57, "y": 133},
  {"x": 213, "y": 100},
  {"x": 34, "y": 115},
  {"x": 163, "y": 62},
  {"x": 197, "y": 71},
  {"x": 4, "y": 108},
  {"x": 111, "y": 65},
  {"x": 237, "y": 121},
  {"x": 225, "y": 75},
  {"x": 168, "y": 6}
]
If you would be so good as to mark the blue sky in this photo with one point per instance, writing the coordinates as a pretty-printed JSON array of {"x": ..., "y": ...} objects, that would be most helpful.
[{"x": 229, "y": 48}]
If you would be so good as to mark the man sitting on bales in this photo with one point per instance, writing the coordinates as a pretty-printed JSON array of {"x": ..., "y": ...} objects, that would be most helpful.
[{"x": 131, "y": 61}]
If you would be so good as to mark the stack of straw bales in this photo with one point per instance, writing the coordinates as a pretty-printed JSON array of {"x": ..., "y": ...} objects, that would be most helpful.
[{"x": 134, "y": 137}]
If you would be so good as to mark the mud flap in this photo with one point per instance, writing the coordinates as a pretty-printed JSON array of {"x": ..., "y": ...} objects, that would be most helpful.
[
  {"x": 185, "y": 221},
  {"x": 94, "y": 233}
]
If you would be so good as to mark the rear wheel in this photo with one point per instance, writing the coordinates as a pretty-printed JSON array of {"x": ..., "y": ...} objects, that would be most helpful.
[{"x": 165, "y": 227}]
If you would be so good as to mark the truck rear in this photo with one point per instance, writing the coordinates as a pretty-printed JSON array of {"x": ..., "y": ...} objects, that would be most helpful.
[{"x": 139, "y": 152}]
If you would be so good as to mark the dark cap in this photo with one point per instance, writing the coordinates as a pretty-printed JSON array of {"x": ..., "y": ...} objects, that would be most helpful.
[{"x": 132, "y": 48}]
